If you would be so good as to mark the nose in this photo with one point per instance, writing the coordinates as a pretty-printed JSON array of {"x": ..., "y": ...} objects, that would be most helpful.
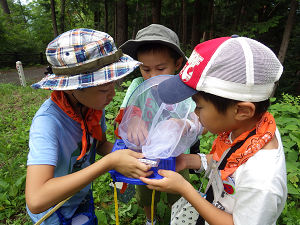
[{"x": 153, "y": 74}]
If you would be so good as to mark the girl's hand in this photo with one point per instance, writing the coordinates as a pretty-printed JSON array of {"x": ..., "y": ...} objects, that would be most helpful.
[
  {"x": 126, "y": 162},
  {"x": 172, "y": 182}
]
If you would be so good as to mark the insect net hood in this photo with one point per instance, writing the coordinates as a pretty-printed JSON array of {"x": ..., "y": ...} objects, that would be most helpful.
[{"x": 158, "y": 129}]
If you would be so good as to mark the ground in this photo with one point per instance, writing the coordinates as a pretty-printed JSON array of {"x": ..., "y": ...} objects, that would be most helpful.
[{"x": 32, "y": 74}]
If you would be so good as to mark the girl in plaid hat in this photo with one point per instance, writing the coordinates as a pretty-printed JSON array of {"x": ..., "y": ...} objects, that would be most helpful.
[
  {"x": 231, "y": 80},
  {"x": 70, "y": 127}
]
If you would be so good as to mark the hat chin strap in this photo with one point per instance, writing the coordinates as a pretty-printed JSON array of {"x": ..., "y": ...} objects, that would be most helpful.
[{"x": 90, "y": 66}]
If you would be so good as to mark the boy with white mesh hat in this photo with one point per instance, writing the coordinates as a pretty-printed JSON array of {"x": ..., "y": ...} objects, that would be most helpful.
[
  {"x": 231, "y": 80},
  {"x": 70, "y": 127}
]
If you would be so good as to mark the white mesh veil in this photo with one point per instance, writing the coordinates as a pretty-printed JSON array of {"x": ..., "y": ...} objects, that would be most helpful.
[{"x": 157, "y": 129}]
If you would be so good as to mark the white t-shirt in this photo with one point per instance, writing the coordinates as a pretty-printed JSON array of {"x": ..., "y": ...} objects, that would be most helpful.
[{"x": 259, "y": 188}]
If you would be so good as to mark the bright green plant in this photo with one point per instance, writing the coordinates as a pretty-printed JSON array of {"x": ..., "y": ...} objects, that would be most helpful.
[
  {"x": 286, "y": 112},
  {"x": 17, "y": 108}
]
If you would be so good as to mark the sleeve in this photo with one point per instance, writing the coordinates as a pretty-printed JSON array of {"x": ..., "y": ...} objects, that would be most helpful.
[
  {"x": 255, "y": 207},
  {"x": 43, "y": 141},
  {"x": 260, "y": 188},
  {"x": 134, "y": 84}
]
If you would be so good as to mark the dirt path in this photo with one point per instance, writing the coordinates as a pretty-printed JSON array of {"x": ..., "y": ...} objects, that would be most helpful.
[{"x": 32, "y": 74}]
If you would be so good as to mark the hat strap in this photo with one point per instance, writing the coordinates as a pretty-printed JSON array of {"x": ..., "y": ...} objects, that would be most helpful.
[{"x": 90, "y": 66}]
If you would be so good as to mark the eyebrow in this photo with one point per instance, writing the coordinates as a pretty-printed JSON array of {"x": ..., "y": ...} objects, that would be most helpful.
[{"x": 162, "y": 64}]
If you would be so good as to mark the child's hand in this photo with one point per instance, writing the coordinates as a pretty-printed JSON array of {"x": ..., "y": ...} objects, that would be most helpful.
[
  {"x": 137, "y": 131},
  {"x": 172, "y": 182},
  {"x": 181, "y": 123},
  {"x": 126, "y": 162}
]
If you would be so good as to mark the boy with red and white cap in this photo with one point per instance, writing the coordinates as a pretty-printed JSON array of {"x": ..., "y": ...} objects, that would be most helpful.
[{"x": 231, "y": 80}]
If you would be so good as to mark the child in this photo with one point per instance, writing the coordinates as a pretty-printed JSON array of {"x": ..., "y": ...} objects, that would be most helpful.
[
  {"x": 70, "y": 127},
  {"x": 157, "y": 47},
  {"x": 231, "y": 80}
]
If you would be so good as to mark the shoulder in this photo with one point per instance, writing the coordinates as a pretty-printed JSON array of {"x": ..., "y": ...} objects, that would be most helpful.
[
  {"x": 49, "y": 108},
  {"x": 266, "y": 170},
  {"x": 138, "y": 80},
  {"x": 49, "y": 117}
]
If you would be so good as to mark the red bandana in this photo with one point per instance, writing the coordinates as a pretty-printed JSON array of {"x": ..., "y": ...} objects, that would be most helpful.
[
  {"x": 265, "y": 130},
  {"x": 92, "y": 119}
]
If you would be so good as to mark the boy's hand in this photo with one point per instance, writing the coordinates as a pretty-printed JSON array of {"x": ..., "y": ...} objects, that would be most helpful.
[
  {"x": 126, "y": 162},
  {"x": 181, "y": 123},
  {"x": 137, "y": 131},
  {"x": 172, "y": 182}
]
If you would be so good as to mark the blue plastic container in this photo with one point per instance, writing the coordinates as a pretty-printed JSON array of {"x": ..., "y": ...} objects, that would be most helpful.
[{"x": 166, "y": 164}]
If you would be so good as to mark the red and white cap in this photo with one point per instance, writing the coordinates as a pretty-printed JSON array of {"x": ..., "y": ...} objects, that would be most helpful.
[{"x": 237, "y": 68}]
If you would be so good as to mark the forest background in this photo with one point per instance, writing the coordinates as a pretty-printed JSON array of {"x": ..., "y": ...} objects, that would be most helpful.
[{"x": 26, "y": 27}]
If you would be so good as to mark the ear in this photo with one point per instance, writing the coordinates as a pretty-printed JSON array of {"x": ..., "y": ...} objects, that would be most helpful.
[
  {"x": 244, "y": 110},
  {"x": 178, "y": 63}
]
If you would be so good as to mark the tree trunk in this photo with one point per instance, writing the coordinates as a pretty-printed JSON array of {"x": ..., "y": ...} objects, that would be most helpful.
[
  {"x": 106, "y": 16},
  {"x": 145, "y": 19},
  {"x": 239, "y": 14},
  {"x": 287, "y": 31},
  {"x": 212, "y": 16},
  {"x": 53, "y": 16},
  {"x": 135, "y": 24},
  {"x": 5, "y": 7},
  {"x": 184, "y": 22},
  {"x": 121, "y": 22},
  {"x": 156, "y": 11},
  {"x": 97, "y": 18},
  {"x": 196, "y": 32},
  {"x": 62, "y": 15}
]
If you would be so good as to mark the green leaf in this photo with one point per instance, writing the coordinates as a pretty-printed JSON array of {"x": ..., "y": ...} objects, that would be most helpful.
[
  {"x": 109, "y": 116},
  {"x": 101, "y": 216},
  {"x": 292, "y": 190}
]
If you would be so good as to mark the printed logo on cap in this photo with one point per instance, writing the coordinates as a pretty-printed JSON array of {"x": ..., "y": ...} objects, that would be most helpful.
[{"x": 187, "y": 72}]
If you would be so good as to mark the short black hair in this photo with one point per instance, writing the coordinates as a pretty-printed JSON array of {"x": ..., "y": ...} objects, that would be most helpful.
[
  {"x": 222, "y": 104},
  {"x": 157, "y": 47}
]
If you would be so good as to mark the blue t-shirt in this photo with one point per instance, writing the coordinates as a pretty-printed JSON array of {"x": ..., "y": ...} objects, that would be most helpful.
[{"x": 55, "y": 139}]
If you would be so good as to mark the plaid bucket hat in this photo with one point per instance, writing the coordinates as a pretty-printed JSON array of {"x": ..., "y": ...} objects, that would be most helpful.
[
  {"x": 154, "y": 33},
  {"x": 82, "y": 58},
  {"x": 237, "y": 68}
]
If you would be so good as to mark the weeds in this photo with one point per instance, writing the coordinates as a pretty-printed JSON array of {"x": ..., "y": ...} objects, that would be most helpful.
[{"x": 17, "y": 108}]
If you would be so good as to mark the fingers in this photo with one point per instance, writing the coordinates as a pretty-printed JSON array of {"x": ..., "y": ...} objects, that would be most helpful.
[
  {"x": 165, "y": 173},
  {"x": 137, "y": 131},
  {"x": 138, "y": 173},
  {"x": 134, "y": 154}
]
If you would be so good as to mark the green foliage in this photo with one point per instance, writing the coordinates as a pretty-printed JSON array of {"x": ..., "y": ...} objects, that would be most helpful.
[
  {"x": 17, "y": 107},
  {"x": 286, "y": 112},
  {"x": 111, "y": 111}
]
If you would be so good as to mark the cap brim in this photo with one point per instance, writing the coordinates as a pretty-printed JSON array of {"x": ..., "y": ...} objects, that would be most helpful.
[
  {"x": 130, "y": 47},
  {"x": 106, "y": 74},
  {"x": 174, "y": 90}
]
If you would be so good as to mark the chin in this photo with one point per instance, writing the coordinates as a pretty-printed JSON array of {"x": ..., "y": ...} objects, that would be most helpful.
[{"x": 98, "y": 107}]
